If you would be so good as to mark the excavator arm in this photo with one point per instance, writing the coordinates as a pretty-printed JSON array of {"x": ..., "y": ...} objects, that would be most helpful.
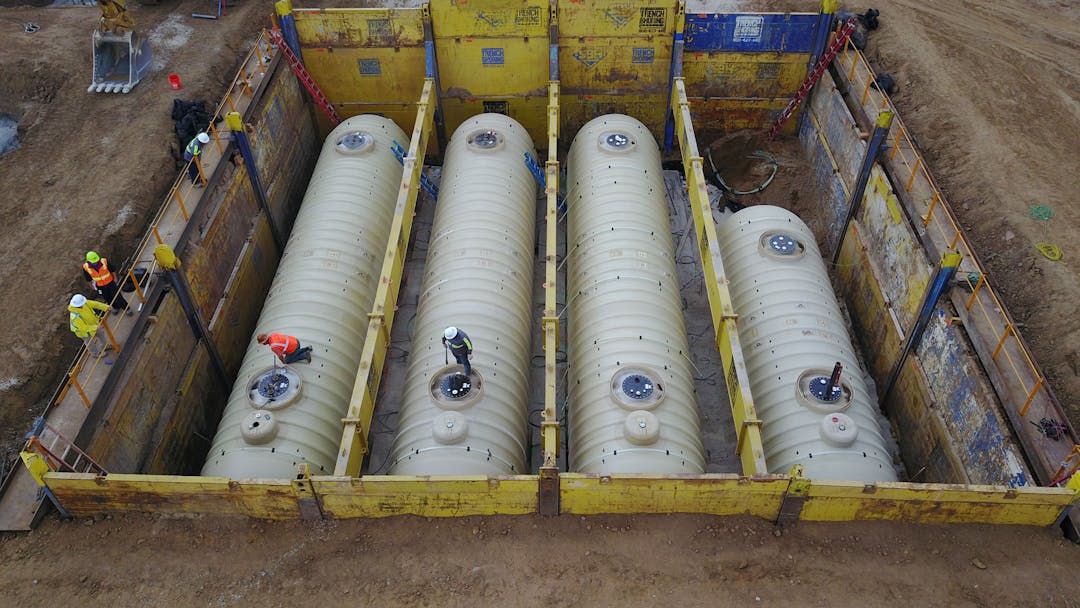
[
  {"x": 121, "y": 57},
  {"x": 115, "y": 17}
]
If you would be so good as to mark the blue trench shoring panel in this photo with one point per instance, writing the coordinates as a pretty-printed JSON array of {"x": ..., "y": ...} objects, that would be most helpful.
[{"x": 753, "y": 33}]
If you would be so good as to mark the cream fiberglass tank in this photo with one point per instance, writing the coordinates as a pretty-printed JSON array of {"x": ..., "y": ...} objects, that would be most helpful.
[
  {"x": 631, "y": 393},
  {"x": 478, "y": 278},
  {"x": 277, "y": 419},
  {"x": 793, "y": 334}
]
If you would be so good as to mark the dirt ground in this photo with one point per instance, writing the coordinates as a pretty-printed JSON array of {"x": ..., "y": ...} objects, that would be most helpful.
[
  {"x": 987, "y": 88},
  {"x": 146, "y": 560}
]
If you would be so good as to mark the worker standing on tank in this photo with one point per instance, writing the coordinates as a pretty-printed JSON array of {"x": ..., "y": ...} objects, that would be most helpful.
[
  {"x": 102, "y": 280},
  {"x": 460, "y": 347},
  {"x": 83, "y": 322},
  {"x": 286, "y": 347},
  {"x": 192, "y": 153}
]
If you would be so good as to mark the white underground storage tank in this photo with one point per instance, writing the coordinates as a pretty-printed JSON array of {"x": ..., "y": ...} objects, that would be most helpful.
[
  {"x": 479, "y": 278},
  {"x": 792, "y": 333},
  {"x": 631, "y": 405},
  {"x": 322, "y": 293}
]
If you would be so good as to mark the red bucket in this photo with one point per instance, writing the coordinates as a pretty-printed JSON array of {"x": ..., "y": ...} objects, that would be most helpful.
[{"x": 174, "y": 82}]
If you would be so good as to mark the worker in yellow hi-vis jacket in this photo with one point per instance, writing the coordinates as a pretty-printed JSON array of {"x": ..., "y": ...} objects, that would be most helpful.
[{"x": 83, "y": 322}]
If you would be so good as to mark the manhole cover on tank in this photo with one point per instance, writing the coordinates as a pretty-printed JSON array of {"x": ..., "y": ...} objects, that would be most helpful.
[
  {"x": 485, "y": 139},
  {"x": 616, "y": 141},
  {"x": 455, "y": 386},
  {"x": 274, "y": 385},
  {"x": 355, "y": 141},
  {"x": 819, "y": 387},
  {"x": 638, "y": 386},
  {"x": 783, "y": 244},
  {"x": 813, "y": 391}
]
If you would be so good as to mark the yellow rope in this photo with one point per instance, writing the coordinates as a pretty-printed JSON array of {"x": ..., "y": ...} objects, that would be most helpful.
[{"x": 1051, "y": 251}]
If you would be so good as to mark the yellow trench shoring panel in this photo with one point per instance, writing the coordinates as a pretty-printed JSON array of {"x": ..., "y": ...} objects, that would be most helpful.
[
  {"x": 762, "y": 496},
  {"x": 365, "y": 60},
  {"x": 386, "y": 495},
  {"x": 491, "y": 19},
  {"x": 493, "y": 57},
  {"x": 935, "y": 503},
  {"x": 357, "y": 421},
  {"x": 719, "y": 494},
  {"x": 617, "y": 19},
  {"x": 615, "y": 57},
  {"x": 747, "y": 425},
  {"x": 83, "y": 494},
  {"x": 744, "y": 75}
]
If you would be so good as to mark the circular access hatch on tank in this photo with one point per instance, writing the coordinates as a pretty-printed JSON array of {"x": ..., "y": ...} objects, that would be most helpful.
[
  {"x": 781, "y": 245},
  {"x": 812, "y": 391},
  {"x": 484, "y": 140},
  {"x": 354, "y": 142},
  {"x": 636, "y": 388},
  {"x": 273, "y": 388},
  {"x": 451, "y": 389},
  {"x": 616, "y": 141},
  {"x": 455, "y": 386}
]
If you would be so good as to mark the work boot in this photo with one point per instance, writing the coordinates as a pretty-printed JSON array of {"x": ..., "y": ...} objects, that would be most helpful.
[
  {"x": 116, "y": 311},
  {"x": 129, "y": 312},
  {"x": 307, "y": 356}
]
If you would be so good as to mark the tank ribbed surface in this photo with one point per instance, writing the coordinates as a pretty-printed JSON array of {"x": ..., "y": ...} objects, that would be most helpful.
[
  {"x": 631, "y": 393},
  {"x": 322, "y": 293},
  {"x": 792, "y": 333},
  {"x": 479, "y": 278}
]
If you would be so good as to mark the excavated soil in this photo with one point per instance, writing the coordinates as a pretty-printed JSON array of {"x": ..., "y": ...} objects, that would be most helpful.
[{"x": 987, "y": 88}]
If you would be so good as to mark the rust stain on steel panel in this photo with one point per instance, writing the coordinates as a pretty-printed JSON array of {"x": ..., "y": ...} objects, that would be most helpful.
[
  {"x": 360, "y": 28},
  {"x": 84, "y": 495},
  {"x": 729, "y": 115},
  {"x": 210, "y": 259}
]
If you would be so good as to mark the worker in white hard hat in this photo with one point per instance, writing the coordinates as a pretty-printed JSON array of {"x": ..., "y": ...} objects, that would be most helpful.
[
  {"x": 192, "y": 153},
  {"x": 83, "y": 321},
  {"x": 460, "y": 347}
]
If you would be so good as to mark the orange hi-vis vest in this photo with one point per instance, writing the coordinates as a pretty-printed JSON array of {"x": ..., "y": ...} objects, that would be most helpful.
[
  {"x": 102, "y": 276},
  {"x": 282, "y": 344}
]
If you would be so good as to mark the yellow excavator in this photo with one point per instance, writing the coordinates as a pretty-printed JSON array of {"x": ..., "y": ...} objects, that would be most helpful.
[{"x": 121, "y": 57}]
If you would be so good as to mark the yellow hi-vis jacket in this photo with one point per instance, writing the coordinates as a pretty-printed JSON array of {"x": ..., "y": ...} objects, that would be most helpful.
[{"x": 82, "y": 320}]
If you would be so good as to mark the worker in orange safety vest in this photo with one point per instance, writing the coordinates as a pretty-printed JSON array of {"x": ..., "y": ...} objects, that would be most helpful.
[
  {"x": 286, "y": 347},
  {"x": 102, "y": 280}
]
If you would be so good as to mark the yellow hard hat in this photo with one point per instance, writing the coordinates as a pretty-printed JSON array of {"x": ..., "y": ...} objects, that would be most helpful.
[{"x": 92, "y": 257}]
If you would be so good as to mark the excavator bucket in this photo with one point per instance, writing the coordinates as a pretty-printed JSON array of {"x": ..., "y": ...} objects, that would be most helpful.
[{"x": 120, "y": 61}]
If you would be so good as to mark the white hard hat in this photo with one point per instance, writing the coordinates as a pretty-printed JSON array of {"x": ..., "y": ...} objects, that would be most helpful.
[
  {"x": 449, "y": 332},
  {"x": 78, "y": 300},
  {"x": 203, "y": 137}
]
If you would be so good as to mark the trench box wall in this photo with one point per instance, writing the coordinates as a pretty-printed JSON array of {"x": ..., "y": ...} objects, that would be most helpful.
[{"x": 168, "y": 401}]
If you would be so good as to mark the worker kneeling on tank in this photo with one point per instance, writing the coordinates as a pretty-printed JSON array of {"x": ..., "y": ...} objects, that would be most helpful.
[{"x": 286, "y": 347}]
